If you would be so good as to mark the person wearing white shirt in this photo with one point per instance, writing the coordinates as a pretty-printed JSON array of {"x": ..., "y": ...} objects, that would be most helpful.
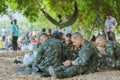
[{"x": 110, "y": 26}]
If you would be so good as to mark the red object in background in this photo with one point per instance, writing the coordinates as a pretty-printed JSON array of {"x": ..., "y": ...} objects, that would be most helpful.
[{"x": 34, "y": 41}]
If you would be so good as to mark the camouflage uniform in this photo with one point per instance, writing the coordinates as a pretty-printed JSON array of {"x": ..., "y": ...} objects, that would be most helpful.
[
  {"x": 69, "y": 52},
  {"x": 112, "y": 57},
  {"x": 85, "y": 63},
  {"x": 49, "y": 53}
]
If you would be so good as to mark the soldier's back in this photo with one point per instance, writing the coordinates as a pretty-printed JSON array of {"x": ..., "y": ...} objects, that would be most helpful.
[
  {"x": 52, "y": 53},
  {"x": 92, "y": 54}
]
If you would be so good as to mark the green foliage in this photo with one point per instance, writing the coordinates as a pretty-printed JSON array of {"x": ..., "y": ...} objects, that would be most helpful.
[
  {"x": 31, "y": 9},
  {"x": 70, "y": 21},
  {"x": 3, "y": 7}
]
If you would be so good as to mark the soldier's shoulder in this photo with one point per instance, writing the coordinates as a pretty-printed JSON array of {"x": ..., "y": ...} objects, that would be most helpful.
[
  {"x": 90, "y": 45},
  {"x": 54, "y": 41},
  {"x": 109, "y": 42},
  {"x": 51, "y": 40}
]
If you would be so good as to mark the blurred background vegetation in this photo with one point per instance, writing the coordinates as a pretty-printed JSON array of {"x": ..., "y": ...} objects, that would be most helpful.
[{"x": 35, "y": 19}]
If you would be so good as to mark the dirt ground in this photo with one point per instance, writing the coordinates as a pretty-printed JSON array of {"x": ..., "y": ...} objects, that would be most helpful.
[{"x": 7, "y": 71}]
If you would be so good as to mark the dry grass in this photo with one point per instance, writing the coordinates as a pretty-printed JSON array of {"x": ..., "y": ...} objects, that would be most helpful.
[
  {"x": 7, "y": 71},
  {"x": 11, "y": 54}
]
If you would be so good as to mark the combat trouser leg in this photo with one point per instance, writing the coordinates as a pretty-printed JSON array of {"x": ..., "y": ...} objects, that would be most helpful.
[{"x": 70, "y": 71}]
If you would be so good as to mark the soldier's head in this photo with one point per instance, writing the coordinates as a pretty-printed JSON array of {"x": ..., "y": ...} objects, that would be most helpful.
[
  {"x": 68, "y": 38},
  {"x": 43, "y": 37},
  {"x": 100, "y": 41},
  {"x": 60, "y": 36},
  {"x": 77, "y": 39}
]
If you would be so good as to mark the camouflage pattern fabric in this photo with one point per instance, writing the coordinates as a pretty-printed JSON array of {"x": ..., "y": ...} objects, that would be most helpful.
[
  {"x": 85, "y": 63},
  {"x": 112, "y": 57},
  {"x": 70, "y": 52},
  {"x": 49, "y": 54}
]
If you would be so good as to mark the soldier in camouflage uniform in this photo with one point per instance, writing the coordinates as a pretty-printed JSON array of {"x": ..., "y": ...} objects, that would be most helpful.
[
  {"x": 69, "y": 50},
  {"x": 49, "y": 53},
  {"x": 111, "y": 58},
  {"x": 85, "y": 63}
]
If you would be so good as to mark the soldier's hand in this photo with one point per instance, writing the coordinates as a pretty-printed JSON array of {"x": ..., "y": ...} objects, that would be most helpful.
[
  {"x": 100, "y": 55},
  {"x": 67, "y": 63}
]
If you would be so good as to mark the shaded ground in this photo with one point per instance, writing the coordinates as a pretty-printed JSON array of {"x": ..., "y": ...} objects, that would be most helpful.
[{"x": 7, "y": 71}]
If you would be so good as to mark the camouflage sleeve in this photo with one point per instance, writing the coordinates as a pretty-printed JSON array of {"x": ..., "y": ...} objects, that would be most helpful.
[
  {"x": 109, "y": 49},
  {"x": 84, "y": 56}
]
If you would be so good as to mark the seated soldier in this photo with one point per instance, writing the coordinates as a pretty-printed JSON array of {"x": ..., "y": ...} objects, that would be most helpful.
[
  {"x": 85, "y": 63},
  {"x": 69, "y": 50},
  {"x": 49, "y": 53},
  {"x": 111, "y": 58}
]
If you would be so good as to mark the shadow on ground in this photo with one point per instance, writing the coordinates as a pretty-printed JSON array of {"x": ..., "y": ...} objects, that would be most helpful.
[{"x": 7, "y": 71}]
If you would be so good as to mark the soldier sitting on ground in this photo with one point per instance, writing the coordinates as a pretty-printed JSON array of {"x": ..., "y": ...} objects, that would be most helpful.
[
  {"x": 69, "y": 50},
  {"x": 111, "y": 58},
  {"x": 85, "y": 63},
  {"x": 49, "y": 53}
]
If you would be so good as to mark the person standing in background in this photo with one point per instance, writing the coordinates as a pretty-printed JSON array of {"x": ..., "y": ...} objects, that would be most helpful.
[
  {"x": 15, "y": 34},
  {"x": 110, "y": 26},
  {"x": 60, "y": 29},
  {"x": 3, "y": 34}
]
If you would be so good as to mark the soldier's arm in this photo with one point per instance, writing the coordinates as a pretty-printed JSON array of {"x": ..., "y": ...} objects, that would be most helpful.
[
  {"x": 109, "y": 49},
  {"x": 84, "y": 57}
]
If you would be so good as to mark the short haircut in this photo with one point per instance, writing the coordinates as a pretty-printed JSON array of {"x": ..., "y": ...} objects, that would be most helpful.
[
  {"x": 77, "y": 35},
  {"x": 68, "y": 35},
  {"x": 101, "y": 38}
]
